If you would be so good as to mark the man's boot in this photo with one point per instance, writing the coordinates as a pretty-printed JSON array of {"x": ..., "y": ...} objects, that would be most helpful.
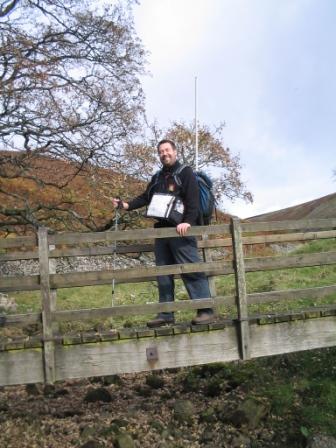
[
  {"x": 203, "y": 317},
  {"x": 159, "y": 321}
]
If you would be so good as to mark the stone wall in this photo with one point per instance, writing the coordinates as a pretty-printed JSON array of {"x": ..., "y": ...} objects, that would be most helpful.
[{"x": 66, "y": 265}]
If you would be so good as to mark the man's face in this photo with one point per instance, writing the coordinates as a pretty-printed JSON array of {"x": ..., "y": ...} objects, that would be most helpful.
[{"x": 167, "y": 154}]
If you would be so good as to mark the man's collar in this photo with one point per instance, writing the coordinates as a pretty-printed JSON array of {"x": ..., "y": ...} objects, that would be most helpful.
[{"x": 170, "y": 169}]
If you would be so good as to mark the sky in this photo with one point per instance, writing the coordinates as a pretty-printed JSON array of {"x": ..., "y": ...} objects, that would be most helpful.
[{"x": 267, "y": 68}]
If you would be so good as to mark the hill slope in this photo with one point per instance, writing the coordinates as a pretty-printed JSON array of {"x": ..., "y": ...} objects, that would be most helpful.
[
  {"x": 62, "y": 196},
  {"x": 324, "y": 207}
]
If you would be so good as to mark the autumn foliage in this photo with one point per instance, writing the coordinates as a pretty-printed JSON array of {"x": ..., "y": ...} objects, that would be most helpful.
[{"x": 65, "y": 198}]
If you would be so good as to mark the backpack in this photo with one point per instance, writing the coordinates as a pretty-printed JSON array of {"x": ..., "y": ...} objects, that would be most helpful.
[{"x": 207, "y": 201}]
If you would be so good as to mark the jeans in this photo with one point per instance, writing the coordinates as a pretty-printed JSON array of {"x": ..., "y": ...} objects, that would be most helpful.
[{"x": 179, "y": 250}]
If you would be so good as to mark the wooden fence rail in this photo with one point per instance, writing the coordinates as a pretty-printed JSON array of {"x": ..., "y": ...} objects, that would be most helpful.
[{"x": 50, "y": 356}]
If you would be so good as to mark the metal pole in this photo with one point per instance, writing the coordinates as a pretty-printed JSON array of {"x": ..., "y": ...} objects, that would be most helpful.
[{"x": 196, "y": 127}]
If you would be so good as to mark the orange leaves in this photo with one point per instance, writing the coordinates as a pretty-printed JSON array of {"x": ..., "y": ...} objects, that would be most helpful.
[{"x": 56, "y": 194}]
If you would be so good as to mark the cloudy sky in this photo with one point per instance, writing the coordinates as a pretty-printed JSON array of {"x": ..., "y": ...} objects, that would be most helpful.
[{"x": 265, "y": 67}]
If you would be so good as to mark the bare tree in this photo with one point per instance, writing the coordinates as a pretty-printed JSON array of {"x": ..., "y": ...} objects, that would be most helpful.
[{"x": 70, "y": 90}]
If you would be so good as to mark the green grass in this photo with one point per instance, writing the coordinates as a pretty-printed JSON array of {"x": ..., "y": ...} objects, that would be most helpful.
[
  {"x": 283, "y": 279},
  {"x": 299, "y": 389},
  {"x": 322, "y": 245},
  {"x": 101, "y": 297},
  {"x": 304, "y": 387}
]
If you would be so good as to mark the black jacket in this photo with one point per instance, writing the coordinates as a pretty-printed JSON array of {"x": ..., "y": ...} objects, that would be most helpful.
[{"x": 165, "y": 183}]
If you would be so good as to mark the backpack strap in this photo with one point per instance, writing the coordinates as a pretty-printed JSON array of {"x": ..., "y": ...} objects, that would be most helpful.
[
  {"x": 155, "y": 179},
  {"x": 177, "y": 173}
]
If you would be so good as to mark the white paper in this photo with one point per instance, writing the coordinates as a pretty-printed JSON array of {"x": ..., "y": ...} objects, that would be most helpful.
[{"x": 160, "y": 205}]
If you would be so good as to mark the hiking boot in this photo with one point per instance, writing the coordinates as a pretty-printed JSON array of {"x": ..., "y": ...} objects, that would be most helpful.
[
  {"x": 160, "y": 321},
  {"x": 203, "y": 318}
]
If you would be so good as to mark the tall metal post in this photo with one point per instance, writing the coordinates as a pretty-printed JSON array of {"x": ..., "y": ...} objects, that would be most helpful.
[{"x": 196, "y": 127}]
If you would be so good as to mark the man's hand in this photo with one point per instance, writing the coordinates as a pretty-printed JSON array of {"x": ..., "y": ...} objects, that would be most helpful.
[
  {"x": 118, "y": 203},
  {"x": 182, "y": 228}
]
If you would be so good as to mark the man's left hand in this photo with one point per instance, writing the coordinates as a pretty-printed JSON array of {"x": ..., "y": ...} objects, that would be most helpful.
[{"x": 182, "y": 228}]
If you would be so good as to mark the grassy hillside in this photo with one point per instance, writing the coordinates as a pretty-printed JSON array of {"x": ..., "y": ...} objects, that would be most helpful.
[{"x": 324, "y": 207}]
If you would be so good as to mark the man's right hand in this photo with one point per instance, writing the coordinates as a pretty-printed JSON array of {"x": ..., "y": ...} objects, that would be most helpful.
[
  {"x": 182, "y": 228},
  {"x": 118, "y": 203}
]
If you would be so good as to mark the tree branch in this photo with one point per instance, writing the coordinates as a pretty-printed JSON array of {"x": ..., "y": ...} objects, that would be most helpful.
[{"x": 7, "y": 9}]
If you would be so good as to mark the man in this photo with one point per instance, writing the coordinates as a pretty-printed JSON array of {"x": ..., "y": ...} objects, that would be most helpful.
[{"x": 180, "y": 249}]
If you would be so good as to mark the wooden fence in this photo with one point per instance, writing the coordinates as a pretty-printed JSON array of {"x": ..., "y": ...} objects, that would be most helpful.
[{"x": 52, "y": 356}]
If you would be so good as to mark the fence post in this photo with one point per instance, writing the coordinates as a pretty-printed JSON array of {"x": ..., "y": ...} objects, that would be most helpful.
[
  {"x": 46, "y": 300},
  {"x": 238, "y": 258},
  {"x": 208, "y": 258}
]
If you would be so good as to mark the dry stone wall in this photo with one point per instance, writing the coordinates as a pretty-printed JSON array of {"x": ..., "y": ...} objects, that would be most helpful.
[{"x": 74, "y": 264}]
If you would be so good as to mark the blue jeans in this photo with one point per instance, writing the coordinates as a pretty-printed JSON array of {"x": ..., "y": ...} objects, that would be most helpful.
[{"x": 179, "y": 250}]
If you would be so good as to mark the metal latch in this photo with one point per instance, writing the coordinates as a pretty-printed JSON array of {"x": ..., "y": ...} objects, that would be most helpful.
[{"x": 152, "y": 354}]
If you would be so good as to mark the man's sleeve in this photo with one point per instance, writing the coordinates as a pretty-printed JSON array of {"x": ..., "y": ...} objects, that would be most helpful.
[
  {"x": 141, "y": 200},
  {"x": 191, "y": 196}
]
